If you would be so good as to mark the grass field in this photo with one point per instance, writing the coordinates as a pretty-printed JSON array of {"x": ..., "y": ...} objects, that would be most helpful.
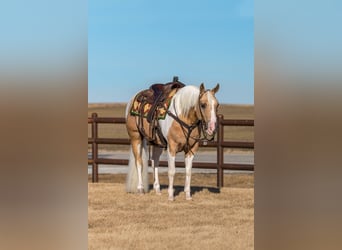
[
  {"x": 213, "y": 220},
  {"x": 233, "y": 133}
]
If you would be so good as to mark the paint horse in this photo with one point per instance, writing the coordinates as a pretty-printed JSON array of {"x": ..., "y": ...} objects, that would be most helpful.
[{"x": 192, "y": 113}]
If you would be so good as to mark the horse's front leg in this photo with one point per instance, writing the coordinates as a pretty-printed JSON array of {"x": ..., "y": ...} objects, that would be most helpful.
[
  {"x": 189, "y": 156},
  {"x": 188, "y": 166},
  {"x": 157, "y": 151},
  {"x": 172, "y": 169}
]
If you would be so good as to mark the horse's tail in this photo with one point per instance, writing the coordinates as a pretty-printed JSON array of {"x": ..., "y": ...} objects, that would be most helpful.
[{"x": 132, "y": 175}]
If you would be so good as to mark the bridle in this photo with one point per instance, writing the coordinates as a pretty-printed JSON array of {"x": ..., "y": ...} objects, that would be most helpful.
[
  {"x": 201, "y": 124},
  {"x": 204, "y": 123}
]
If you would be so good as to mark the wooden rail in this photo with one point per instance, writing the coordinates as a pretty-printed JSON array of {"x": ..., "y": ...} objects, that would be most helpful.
[{"x": 219, "y": 144}]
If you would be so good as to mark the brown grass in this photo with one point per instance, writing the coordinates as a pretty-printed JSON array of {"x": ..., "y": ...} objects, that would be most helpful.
[{"x": 213, "y": 220}]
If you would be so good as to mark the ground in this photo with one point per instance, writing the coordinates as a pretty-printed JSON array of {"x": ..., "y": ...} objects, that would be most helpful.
[{"x": 214, "y": 219}]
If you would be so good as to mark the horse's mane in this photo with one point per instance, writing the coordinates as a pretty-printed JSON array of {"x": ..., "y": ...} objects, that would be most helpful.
[{"x": 185, "y": 99}]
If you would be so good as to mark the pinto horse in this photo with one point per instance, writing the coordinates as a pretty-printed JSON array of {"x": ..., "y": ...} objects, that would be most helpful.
[{"x": 192, "y": 112}]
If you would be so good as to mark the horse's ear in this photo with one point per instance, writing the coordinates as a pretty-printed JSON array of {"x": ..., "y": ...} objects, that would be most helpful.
[
  {"x": 214, "y": 90},
  {"x": 202, "y": 88}
]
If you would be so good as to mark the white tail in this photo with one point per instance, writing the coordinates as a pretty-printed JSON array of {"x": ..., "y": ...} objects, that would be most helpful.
[{"x": 132, "y": 175}]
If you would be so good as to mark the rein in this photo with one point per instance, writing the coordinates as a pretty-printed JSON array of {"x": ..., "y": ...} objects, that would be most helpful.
[{"x": 187, "y": 129}]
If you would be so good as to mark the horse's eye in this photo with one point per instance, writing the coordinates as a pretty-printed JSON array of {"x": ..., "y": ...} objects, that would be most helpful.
[{"x": 203, "y": 105}]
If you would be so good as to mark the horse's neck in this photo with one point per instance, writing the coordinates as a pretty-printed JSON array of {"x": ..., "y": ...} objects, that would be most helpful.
[{"x": 191, "y": 118}]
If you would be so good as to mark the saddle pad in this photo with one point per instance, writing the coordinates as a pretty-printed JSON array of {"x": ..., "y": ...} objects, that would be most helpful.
[{"x": 136, "y": 107}]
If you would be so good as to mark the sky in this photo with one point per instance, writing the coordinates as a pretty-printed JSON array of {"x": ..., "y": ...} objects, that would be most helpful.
[{"x": 135, "y": 43}]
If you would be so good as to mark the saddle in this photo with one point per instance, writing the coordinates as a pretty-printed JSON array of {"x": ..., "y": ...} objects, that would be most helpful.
[
  {"x": 152, "y": 104},
  {"x": 156, "y": 96}
]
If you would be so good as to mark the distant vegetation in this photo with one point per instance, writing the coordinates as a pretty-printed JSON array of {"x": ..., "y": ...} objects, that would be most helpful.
[{"x": 230, "y": 111}]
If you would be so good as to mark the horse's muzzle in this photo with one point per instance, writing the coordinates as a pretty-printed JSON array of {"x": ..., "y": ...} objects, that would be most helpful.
[{"x": 211, "y": 128}]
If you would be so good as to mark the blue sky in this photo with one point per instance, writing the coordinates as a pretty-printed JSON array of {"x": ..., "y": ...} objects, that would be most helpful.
[{"x": 135, "y": 43}]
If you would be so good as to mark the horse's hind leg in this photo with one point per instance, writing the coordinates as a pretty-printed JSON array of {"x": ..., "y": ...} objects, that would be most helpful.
[
  {"x": 172, "y": 169},
  {"x": 157, "y": 151},
  {"x": 137, "y": 149}
]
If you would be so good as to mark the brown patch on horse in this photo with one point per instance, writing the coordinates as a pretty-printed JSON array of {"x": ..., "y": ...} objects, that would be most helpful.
[{"x": 177, "y": 135}]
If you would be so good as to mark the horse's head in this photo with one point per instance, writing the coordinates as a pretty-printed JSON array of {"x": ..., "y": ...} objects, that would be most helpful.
[{"x": 207, "y": 106}]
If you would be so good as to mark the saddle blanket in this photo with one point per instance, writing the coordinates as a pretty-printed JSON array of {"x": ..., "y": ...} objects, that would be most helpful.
[{"x": 138, "y": 110}]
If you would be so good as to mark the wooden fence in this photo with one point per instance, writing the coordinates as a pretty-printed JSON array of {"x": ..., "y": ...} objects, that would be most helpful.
[{"x": 219, "y": 143}]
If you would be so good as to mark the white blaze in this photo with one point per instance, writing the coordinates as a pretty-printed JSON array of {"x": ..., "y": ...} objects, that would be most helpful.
[{"x": 212, "y": 121}]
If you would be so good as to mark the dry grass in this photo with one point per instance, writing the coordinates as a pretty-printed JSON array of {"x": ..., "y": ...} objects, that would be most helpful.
[{"x": 213, "y": 220}]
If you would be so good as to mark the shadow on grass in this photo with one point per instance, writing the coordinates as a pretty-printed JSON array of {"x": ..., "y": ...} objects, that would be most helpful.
[{"x": 194, "y": 189}]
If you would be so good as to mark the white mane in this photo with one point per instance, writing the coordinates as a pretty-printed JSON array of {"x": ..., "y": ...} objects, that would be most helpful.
[{"x": 185, "y": 99}]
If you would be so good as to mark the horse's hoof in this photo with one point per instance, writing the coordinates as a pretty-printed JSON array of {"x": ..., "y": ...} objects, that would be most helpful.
[
  {"x": 171, "y": 194},
  {"x": 141, "y": 191},
  {"x": 157, "y": 189},
  {"x": 188, "y": 197}
]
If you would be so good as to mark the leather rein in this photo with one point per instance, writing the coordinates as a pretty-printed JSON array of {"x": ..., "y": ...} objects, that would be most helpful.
[{"x": 187, "y": 129}]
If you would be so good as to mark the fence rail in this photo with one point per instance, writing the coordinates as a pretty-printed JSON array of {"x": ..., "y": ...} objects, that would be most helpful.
[{"x": 219, "y": 144}]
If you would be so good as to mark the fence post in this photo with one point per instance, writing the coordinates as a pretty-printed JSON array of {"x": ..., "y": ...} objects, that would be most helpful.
[
  {"x": 94, "y": 148},
  {"x": 220, "y": 151}
]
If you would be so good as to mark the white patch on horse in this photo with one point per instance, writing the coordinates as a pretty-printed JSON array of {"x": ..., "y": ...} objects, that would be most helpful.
[
  {"x": 167, "y": 122},
  {"x": 139, "y": 167},
  {"x": 171, "y": 173},
  {"x": 212, "y": 122},
  {"x": 181, "y": 103},
  {"x": 188, "y": 167}
]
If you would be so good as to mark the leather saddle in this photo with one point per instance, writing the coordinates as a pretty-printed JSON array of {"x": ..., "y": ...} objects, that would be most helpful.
[{"x": 156, "y": 95}]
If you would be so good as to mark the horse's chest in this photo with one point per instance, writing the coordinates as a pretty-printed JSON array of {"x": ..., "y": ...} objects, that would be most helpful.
[
  {"x": 181, "y": 137},
  {"x": 176, "y": 133}
]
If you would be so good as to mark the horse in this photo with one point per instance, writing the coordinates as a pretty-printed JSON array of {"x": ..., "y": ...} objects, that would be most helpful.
[{"x": 192, "y": 112}]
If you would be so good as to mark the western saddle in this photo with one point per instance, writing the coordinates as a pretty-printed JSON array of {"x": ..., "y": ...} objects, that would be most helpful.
[{"x": 156, "y": 95}]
